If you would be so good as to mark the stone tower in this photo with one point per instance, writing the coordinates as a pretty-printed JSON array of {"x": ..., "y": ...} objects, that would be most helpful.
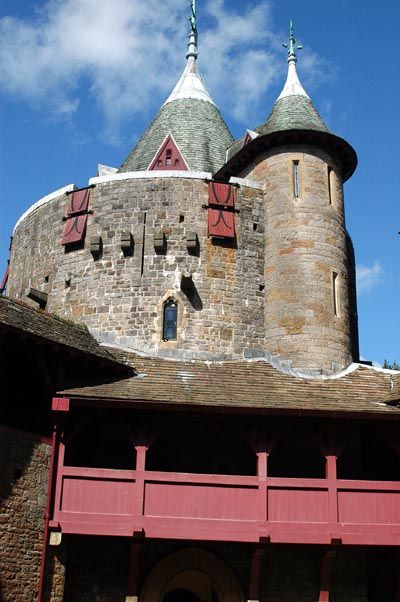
[
  {"x": 310, "y": 302},
  {"x": 282, "y": 287}
]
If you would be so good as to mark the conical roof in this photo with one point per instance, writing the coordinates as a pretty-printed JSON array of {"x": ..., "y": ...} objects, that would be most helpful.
[
  {"x": 192, "y": 118},
  {"x": 293, "y": 109},
  {"x": 293, "y": 119}
]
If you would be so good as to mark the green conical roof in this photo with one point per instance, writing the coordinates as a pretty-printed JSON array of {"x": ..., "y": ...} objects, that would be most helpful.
[
  {"x": 191, "y": 117},
  {"x": 294, "y": 112},
  {"x": 293, "y": 109},
  {"x": 198, "y": 129}
]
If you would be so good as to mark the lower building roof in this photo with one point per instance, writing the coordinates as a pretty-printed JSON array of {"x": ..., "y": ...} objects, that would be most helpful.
[{"x": 251, "y": 384}]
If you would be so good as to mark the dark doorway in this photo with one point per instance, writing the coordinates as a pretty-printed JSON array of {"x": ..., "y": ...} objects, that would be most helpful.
[{"x": 181, "y": 594}]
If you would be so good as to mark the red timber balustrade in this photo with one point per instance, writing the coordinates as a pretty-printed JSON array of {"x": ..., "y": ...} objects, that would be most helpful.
[{"x": 261, "y": 507}]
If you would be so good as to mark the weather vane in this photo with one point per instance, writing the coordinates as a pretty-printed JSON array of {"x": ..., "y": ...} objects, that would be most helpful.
[{"x": 292, "y": 43}]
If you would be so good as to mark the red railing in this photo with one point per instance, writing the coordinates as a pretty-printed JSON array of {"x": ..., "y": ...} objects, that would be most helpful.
[{"x": 226, "y": 508}]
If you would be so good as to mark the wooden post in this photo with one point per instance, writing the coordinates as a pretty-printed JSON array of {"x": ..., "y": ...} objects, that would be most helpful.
[
  {"x": 331, "y": 476},
  {"x": 262, "y": 486},
  {"x": 324, "y": 593},
  {"x": 139, "y": 485},
  {"x": 255, "y": 573},
  {"x": 133, "y": 577}
]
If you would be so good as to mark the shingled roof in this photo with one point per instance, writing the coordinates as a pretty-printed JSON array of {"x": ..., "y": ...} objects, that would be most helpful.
[
  {"x": 198, "y": 129},
  {"x": 246, "y": 384},
  {"x": 190, "y": 116},
  {"x": 293, "y": 120},
  {"x": 19, "y": 317}
]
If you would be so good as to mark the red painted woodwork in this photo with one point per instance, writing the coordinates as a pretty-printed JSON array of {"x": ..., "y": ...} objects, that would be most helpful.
[
  {"x": 168, "y": 157},
  {"x": 224, "y": 508},
  {"x": 78, "y": 202},
  {"x": 221, "y": 216},
  {"x": 221, "y": 194},
  {"x": 298, "y": 505},
  {"x": 197, "y": 501},
  {"x": 60, "y": 404},
  {"x": 74, "y": 229},
  {"x": 378, "y": 507},
  {"x": 221, "y": 223},
  {"x": 4, "y": 281}
]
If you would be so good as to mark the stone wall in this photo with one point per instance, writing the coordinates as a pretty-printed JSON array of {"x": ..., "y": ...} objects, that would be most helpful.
[
  {"x": 305, "y": 248},
  {"x": 24, "y": 461},
  {"x": 268, "y": 292},
  {"x": 120, "y": 297}
]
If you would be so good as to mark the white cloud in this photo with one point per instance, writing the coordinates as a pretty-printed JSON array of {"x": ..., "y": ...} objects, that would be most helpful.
[
  {"x": 368, "y": 276},
  {"x": 129, "y": 52}
]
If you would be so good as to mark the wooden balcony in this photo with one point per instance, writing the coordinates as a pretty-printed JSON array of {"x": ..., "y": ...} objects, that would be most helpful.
[{"x": 226, "y": 508}]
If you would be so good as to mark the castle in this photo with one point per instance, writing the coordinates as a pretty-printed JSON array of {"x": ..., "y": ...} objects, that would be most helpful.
[{"x": 192, "y": 421}]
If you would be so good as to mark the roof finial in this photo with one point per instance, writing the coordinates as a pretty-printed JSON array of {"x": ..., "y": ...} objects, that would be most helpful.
[
  {"x": 192, "y": 46},
  {"x": 292, "y": 45},
  {"x": 292, "y": 86}
]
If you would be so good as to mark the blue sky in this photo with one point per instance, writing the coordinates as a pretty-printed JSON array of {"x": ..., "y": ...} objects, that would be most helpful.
[{"x": 81, "y": 79}]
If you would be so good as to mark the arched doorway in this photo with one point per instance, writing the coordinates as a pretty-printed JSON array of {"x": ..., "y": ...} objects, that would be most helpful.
[{"x": 191, "y": 575}]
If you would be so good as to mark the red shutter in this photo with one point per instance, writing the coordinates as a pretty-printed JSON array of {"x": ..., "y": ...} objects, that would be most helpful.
[
  {"x": 221, "y": 223},
  {"x": 78, "y": 201},
  {"x": 221, "y": 194},
  {"x": 74, "y": 229},
  {"x": 221, "y": 211}
]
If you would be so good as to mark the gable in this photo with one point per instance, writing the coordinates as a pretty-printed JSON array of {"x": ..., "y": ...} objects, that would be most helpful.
[{"x": 168, "y": 157}]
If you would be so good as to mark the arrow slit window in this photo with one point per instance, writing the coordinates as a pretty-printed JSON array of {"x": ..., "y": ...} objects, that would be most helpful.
[
  {"x": 170, "y": 320},
  {"x": 296, "y": 179}
]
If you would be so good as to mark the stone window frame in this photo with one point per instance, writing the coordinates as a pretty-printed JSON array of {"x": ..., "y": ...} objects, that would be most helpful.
[
  {"x": 335, "y": 292},
  {"x": 180, "y": 323},
  {"x": 293, "y": 158}
]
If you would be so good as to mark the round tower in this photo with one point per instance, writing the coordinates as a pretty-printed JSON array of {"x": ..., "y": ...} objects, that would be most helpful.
[{"x": 310, "y": 307}]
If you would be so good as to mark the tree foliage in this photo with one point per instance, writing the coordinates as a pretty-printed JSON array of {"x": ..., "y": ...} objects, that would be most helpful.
[{"x": 391, "y": 365}]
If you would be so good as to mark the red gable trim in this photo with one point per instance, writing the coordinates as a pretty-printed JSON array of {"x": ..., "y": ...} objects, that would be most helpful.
[
  {"x": 249, "y": 136},
  {"x": 168, "y": 157},
  {"x": 74, "y": 229}
]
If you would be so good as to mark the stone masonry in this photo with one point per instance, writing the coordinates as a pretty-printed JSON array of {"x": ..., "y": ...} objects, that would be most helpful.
[
  {"x": 24, "y": 467},
  {"x": 269, "y": 291}
]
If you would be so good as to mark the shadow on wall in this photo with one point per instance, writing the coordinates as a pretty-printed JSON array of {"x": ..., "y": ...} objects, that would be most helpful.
[{"x": 24, "y": 465}]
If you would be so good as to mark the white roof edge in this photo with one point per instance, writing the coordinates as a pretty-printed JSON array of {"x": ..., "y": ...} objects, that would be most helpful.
[
  {"x": 137, "y": 175},
  {"x": 43, "y": 201},
  {"x": 248, "y": 183}
]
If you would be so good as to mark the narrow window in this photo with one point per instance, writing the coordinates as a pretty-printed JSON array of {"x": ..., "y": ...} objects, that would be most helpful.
[
  {"x": 296, "y": 186},
  {"x": 170, "y": 319},
  {"x": 335, "y": 277},
  {"x": 168, "y": 156},
  {"x": 176, "y": 163},
  {"x": 330, "y": 184}
]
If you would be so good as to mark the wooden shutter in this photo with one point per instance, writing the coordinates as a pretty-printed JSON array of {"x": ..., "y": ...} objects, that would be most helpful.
[
  {"x": 221, "y": 210},
  {"x": 76, "y": 214}
]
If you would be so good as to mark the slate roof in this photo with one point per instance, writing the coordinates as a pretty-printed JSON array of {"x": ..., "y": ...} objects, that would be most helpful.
[
  {"x": 198, "y": 129},
  {"x": 19, "y": 317},
  {"x": 294, "y": 112},
  {"x": 246, "y": 385}
]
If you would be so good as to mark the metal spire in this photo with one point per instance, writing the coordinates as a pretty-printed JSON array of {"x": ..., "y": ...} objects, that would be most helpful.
[
  {"x": 292, "y": 86},
  {"x": 292, "y": 45},
  {"x": 192, "y": 46},
  {"x": 190, "y": 84}
]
